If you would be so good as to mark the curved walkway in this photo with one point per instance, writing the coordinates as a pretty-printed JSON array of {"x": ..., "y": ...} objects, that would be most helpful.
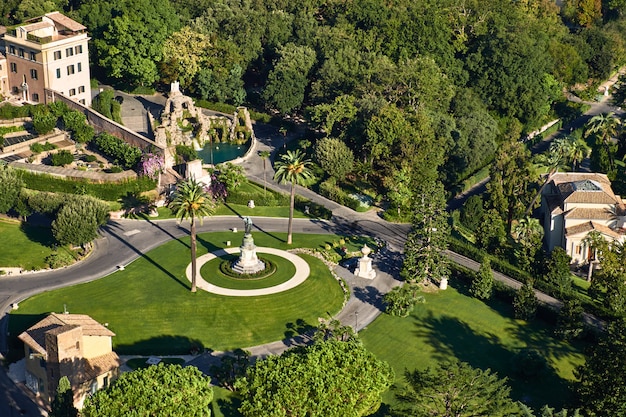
[{"x": 302, "y": 273}]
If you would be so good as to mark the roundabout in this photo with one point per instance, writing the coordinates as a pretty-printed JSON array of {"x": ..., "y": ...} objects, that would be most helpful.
[{"x": 301, "y": 274}]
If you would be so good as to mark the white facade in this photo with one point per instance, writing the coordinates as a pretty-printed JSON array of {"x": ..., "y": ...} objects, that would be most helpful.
[
  {"x": 48, "y": 52},
  {"x": 574, "y": 204}
]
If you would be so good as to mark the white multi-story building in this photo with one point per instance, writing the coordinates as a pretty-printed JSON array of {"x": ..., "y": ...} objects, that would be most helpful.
[
  {"x": 50, "y": 52},
  {"x": 574, "y": 204}
]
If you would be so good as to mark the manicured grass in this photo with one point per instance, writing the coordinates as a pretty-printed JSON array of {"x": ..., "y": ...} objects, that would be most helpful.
[
  {"x": 151, "y": 310},
  {"x": 212, "y": 274},
  {"x": 23, "y": 245},
  {"x": 453, "y": 325}
]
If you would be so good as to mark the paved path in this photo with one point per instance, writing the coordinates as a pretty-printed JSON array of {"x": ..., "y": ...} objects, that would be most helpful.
[{"x": 301, "y": 274}]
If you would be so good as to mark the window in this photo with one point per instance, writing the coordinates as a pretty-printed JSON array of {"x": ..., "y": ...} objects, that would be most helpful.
[
  {"x": 578, "y": 250},
  {"x": 57, "y": 55},
  {"x": 94, "y": 386},
  {"x": 80, "y": 67},
  {"x": 35, "y": 97},
  {"x": 70, "y": 69},
  {"x": 33, "y": 57},
  {"x": 13, "y": 67},
  {"x": 15, "y": 90},
  {"x": 72, "y": 92},
  {"x": 58, "y": 72},
  {"x": 21, "y": 53},
  {"x": 79, "y": 49},
  {"x": 33, "y": 74},
  {"x": 12, "y": 49},
  {"x": 69, "y": 52},
  {"x": 105, "y": 382},
  {"x": 81, "y": 101},
  {"x": 81, "y": 89}
]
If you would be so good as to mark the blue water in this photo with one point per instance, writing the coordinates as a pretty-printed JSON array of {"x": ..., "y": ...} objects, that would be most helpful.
[{"x": 222, "y": 152}]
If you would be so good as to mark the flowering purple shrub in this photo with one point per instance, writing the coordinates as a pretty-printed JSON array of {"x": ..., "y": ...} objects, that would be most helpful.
[
  {"x": 217, "y": 189},
  {"x": 151, "y": 165}
]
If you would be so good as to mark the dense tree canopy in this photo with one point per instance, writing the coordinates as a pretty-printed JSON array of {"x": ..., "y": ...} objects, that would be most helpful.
[
  {"x": 154, "y": 391},
  {"x": 456, "y": 389},
  {"x": 331, "y": 378}
]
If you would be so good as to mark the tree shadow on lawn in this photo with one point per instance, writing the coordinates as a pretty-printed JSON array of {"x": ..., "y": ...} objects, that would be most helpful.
[
  {"x": 452, "y": 338},
  {"x": 110, "y": 229},
  {"x": 17, "y": 323},
  {"x": 300, "y": 331},
  {"x": 162, "y": 345},
  {"x": 370, "y": 295},
  {"x": 228, "y": 407},
  {"x": 38, "y": 234}
]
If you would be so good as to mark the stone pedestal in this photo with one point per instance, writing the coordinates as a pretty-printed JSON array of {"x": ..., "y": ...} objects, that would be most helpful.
[
  {"x": 443, "y": 285},
  {"x": 365, "y": 269},
  {"x": 248, "y": 262}
]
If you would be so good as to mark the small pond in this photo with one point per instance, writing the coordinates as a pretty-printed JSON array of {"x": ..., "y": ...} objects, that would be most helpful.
[{"x": 216, "y": 153}]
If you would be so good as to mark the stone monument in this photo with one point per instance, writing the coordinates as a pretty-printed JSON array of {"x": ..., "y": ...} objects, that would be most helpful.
[
  {"x": 365, "y": 269},
  {"x": 248, "y": 262}
]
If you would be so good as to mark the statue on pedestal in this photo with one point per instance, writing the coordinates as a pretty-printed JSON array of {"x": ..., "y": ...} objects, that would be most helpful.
[{"x": 248, "y": 262}]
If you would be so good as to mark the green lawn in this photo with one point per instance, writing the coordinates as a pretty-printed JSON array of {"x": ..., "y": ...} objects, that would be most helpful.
[
  {"x": 24, "y": 246},
  {"x": 211, "y": 273},
  {"x": 150, "y": 308},
  {"x": 453, "y": 325}
]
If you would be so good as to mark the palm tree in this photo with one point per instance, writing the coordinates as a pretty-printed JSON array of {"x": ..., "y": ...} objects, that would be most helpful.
[
  {"x": 593, "y": 241},
  {"x": 293, "y": 168},
  {"x": 577, "y": 150},
  {"x": 265, "y": 156},
  {"x": 191, "y": 200},
  {"x": 605, "y": 126}
]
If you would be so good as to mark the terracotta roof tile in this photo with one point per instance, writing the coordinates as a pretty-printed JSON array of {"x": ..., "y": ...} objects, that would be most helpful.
[
  {"x": 65, "y": 21},
  {"x": 35, "y": 336},
  {"x": 590, "y": 213},
  {"x": 589, "y": 226}
]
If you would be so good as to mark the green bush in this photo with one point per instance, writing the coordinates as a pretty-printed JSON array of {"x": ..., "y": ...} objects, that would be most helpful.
[
  {"x": 119, "y": 151},
  {"x": 62, "y": 158},
  {"x": 90, "y": 158},
  {"x": 59, "y": 259},
  {"x": 44, "y": 122},
  {"x": 115, "y": 169},
  {"x": 41, "y": 147},
  {"x": 185, "y": 153},
  {"x": 9, "y": 111},
  {"x": 110, "y": 191}
]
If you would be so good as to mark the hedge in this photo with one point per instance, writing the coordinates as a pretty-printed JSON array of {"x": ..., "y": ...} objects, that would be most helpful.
[
  {"x": 111, "y": 191},
  {"x": 504, "y": 267}
]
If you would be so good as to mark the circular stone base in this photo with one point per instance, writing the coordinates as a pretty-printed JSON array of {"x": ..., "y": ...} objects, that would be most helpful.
[{"x": 302, "y": 273}]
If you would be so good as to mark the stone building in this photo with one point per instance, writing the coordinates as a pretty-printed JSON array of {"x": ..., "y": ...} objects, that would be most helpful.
[
  {"x": 574, "y": 204},
  {"x": 71, "y": 345},
  {"x": 51, "y": 52}
]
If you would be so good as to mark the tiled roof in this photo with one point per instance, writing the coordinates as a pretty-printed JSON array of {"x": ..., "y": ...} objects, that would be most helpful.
[
  {"x": 65, "y": 21},
  {"x": 35, "y": 336},
  {"x": 36, "y": 26},
  {"x": 590, "y": 214},
  {"x": 588, "y": 227},
  {"x": 101, "y": 364},
  {"x": 580, "y": 187}
]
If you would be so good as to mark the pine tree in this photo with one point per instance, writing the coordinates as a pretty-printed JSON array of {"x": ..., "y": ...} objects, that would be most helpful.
[
  {"x": 63, "y": 403},
  {"x": 482, "y": 284},
  {"x": 525, "y": 302}
]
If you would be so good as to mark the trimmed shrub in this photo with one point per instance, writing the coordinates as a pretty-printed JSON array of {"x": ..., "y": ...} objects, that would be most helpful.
[
  {"x": 119, "y": 151},
  {"x": 110, "y": 191},
  {"x": 44, "y": 122},
  {"x": 62, "y": 158},
  {"x": 59, "y": 259}
]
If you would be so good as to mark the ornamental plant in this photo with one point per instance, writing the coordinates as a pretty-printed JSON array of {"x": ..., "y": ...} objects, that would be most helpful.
[{"x": 151, "y": 165}]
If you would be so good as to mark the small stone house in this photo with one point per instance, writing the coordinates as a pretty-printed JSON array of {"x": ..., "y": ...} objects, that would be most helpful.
[
  {"x": 72, "y": 345},
  {"x": 574, "y": 204}
]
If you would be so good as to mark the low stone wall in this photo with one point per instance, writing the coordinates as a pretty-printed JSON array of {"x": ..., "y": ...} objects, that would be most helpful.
[
  {"x": 102, "y": 124},
  {"x": 24, "y": 146},
  {"x": 95, "y": 176}
]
